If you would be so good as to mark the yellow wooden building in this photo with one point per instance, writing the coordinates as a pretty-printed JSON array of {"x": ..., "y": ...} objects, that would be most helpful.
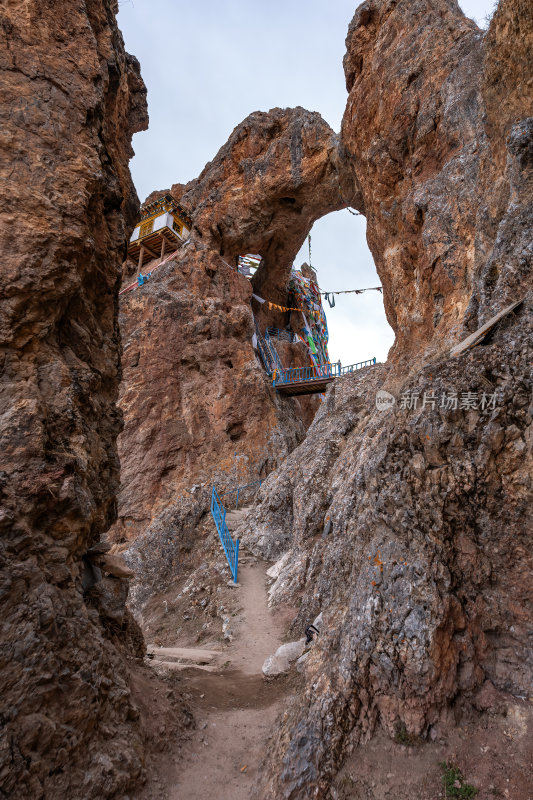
[{"x": 163, "y": 226}]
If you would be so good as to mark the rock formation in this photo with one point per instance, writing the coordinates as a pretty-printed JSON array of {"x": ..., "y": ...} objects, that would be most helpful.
[
  {"x": 405, "y": 530},
  {"x": 197, "y": 404},
  {"x": 72, "y": 100},
  {"x": 276, "y": 175},
  {"x": 415, "y": 134},
  {"x": 410, "y": 529}
]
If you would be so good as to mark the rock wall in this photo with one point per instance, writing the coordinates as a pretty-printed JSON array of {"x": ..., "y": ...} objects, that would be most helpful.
[
  {"x": 197, "y": 404},
  {"x": 416, "y": 134},
  {"x": 410, "y": 529},
  {"x": 72, "y": 100},
  {"x": 198, "y": 407}
]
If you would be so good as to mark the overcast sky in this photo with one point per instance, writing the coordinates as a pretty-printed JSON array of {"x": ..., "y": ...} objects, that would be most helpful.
[{"x": 207, "y": 65}]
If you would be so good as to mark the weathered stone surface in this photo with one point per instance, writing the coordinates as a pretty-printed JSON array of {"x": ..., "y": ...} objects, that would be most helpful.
[
  {"x": 423, "y": 576},
  {"x": 109, "y": 597},
  {"x": 409, "y": 530},
  {"x": 72, "y": 100},
  {"x": 197, "y": 404},
  {"x": 116, "y": 566},
  {"x": 416, "y": 135},
  {"x": 277, "y": 174}
]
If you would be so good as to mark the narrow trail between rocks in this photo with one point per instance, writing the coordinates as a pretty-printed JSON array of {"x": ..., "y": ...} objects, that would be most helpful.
[{"x": 234, "y": 707}]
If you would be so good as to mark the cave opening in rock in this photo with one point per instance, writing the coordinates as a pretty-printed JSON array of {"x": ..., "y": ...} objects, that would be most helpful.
[
  {"x": 340, "y": 256},
  {"x": 357, "y": 324}
]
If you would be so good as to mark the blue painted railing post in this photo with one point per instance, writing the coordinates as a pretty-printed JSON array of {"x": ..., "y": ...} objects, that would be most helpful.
[
  {"x": 237, "y": 505},
  {"x": 218, "y": 512},
  {"x": 236, "y": 563}
]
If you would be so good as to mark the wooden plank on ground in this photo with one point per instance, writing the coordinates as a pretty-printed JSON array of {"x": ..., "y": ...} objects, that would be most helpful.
[
  {"x": 176, "y": 665},
  {"x": 184, "y": 653},
  {"x": 480, "y": 334}
]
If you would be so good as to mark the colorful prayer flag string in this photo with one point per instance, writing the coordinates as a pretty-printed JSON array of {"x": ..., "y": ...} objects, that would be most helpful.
[{"x": 281, "y": 308}]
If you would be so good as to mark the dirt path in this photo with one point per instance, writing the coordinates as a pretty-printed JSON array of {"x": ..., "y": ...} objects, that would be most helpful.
[
  {"x": 257, "y": 635},
  {"x": 234, "y": 707}
]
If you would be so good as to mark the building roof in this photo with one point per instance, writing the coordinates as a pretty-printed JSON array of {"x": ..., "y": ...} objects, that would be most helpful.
[{"x": 165, "y": 203}]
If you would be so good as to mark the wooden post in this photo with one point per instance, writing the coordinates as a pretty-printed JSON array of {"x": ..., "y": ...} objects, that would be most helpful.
[
  {"x": 162, "y": 248},
  {"x": 141, "y": 258}
]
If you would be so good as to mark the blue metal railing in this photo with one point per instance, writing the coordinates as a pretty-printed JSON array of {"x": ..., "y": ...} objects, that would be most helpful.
[
  {"x": 240, "y": 490},
  {"x": 267, "y": 351},
  {"x": 231, "y": 548},
  {"x": 284, "y": 334},
  {"x": 264, "y": 354},
  {"x": 316, "y": 372},
  {"x": 353, "y": 367}
]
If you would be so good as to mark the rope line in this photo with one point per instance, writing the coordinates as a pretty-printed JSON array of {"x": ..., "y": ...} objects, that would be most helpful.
[
  {"x": 348, "y": 207},
  {"x": 356, "y": 291}
]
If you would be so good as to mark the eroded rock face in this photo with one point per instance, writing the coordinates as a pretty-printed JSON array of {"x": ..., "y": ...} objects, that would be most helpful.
[
  {"x": 431, "y": 167},
  {"x": 198, "y": 406},
  {"x": 411, "y": 529},
  {"x": 276, "y": 175},
  {"x": 73, "y": 99}
]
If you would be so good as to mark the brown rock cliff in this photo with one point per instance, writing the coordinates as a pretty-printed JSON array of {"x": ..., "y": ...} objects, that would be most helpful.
[
  {"x": 72, "y": 100},
  {"x": 197, "y": 404},
  {"x": 416, "y": 135},
  {"x": 411, "y": 529}
]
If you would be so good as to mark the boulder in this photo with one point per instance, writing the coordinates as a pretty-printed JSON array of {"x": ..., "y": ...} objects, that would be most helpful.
[
  {"x": 116, "y": 566},
  {"x": 280, "y": 662}
]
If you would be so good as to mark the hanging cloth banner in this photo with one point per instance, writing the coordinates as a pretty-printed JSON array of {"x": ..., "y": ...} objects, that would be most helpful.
[{"x": 311, "y": 344}]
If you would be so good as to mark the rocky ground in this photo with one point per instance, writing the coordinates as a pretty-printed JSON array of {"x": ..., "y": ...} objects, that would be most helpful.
[
  {"x": 217, "y": 669},
  {"x": 487, "y": 756},
  {"x": 235, "y": 706}
]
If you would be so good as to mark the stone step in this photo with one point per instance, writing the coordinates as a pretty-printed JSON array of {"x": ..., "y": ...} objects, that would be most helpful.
[{"x": 235, "y": 517}]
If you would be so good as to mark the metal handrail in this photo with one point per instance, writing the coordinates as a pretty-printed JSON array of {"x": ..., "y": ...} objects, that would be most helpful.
[
  {"x": 353, "y": 367},
  {"x": 278, "y": 333},
  {"x": 267, "y": 351},
  {"x": 240, "y": 489},
  {"x": 231, "y": 548},
  {"x": 316, "y": 372}
]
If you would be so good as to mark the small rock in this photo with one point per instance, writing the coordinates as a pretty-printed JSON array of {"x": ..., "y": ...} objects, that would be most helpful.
[
  {"x": 234, "y": 585},
  {"x": 115, "y": 565},
  {"x": 226, "y": 630}
]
